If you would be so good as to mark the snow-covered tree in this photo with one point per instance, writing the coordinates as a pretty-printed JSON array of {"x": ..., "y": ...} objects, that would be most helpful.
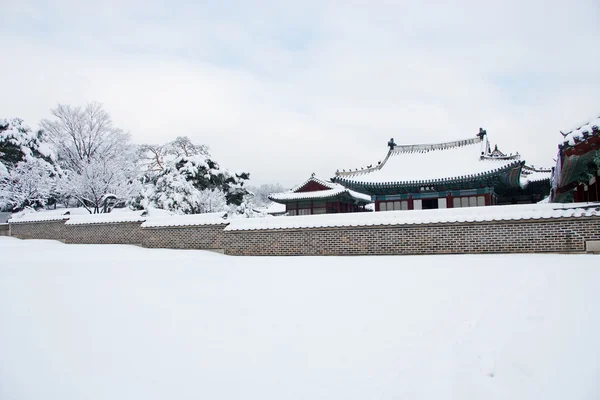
[
  {"x": 30, "y": 183},
  {"x": 182, "y": 177},
  {"x": 27, "y": 173},
  {"x": 19, "y": 142},
  {"x": 97, "y": 158},
  {"x": 100, "y": 184},
  {"x": 262, "y": 192}
]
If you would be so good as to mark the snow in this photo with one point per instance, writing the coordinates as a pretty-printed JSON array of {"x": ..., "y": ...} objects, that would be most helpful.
[
  {"x": 431, "y": 165},
  {"x": 121, "y": 322},
  {"x": 319, "y": 194},
  {"x": 335, "y": 189},
  {"x": 186, "y": 220},
  {"x": 535, "y": 177},
  {"x": 578, "y": 133},
  {"x": 469, "y": 214},
  {"x": 30, "y": 215},
  {"x": 272, "y": 208},
  {"x": 112, "y": 217}
]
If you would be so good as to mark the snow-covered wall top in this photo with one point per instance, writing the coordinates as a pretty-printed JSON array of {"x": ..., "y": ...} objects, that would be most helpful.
[
  {"x": 472, "y": 214},
  {"x": 186, "y": 220},
  {"x": 112, "y": 217},
  {"x": 155, "y": 218},
  {"x": 47, "y": 215}
]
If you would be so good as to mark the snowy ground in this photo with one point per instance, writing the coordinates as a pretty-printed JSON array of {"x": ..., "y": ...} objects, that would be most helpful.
[{"x": 121, "y": 322}]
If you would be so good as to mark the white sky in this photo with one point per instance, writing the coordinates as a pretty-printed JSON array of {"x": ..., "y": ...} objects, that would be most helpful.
[{"x": 282, "y": 89}]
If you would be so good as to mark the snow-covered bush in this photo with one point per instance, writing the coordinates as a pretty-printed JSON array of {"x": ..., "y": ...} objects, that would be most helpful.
[{"x": 182, "y": 177}]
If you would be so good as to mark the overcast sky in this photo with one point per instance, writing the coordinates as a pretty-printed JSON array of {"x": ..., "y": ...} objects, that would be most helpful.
[{"x": 282, "y": 89}]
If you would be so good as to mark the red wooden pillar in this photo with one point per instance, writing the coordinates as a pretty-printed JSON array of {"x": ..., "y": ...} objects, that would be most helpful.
[
  {"x": 311, "y": 207},
  {"x": 377, "y": 205},
  {"x": 411, "y": 203},
  {"x": 339, "y": 210},
  {"x": 488, "y": 199},
  {"x": 449, "y": 203}
]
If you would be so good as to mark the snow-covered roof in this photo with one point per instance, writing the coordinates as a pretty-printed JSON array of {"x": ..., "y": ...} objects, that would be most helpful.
[
  {"x": 413, "y": 217},
  {"x": 217, "y": 218},
  {"x": 319, "y": 194},
  {"x": 335, "y": 189},
  {"x": 536, "y": 176},
  {"x": 575, "y": 135},
  {"x": 430, "y": 163},
  {"x": 315, "y": 179},
  {"x": 107, "y": 218}
]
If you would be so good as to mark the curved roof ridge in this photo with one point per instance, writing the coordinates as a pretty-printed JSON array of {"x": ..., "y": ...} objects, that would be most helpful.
[{"x": 413, "y": 148}]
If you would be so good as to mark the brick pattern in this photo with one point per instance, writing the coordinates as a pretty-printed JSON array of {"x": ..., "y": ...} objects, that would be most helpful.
[
  {"x": 54, "y": 230},
  {"x": 109, "y": 233},
  {"x": 185, "y": 237},
  {"x": 537, "y": 236},
  {"x": 4, "y": 230}
]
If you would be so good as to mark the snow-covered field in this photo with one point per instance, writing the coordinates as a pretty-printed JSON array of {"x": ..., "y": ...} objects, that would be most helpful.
[{"x": 121, "y": 322}]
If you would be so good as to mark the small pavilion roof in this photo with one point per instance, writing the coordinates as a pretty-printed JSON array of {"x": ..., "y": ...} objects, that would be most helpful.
[
  {"x": 330, "y": 190},
  {"x": 423, "y": 164}
]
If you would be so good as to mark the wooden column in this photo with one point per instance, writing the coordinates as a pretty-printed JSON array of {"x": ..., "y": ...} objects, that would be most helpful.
[
  {"x": 411, "y": 203},
  {"x": 488, "y": 199},
  {"x": 449, "y": 203},
  {"x": 311, "y": 207}
]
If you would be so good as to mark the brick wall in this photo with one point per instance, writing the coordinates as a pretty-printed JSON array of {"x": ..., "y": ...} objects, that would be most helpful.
[
  {"x": 185, "y": 237},
  {"x": 535, "y": 236},
  {"x": 54, "y": 230},
  {"x": 4, "y": 229},
  {"x": 539, "y": 236},
  {"x": 109, "y": 233}
]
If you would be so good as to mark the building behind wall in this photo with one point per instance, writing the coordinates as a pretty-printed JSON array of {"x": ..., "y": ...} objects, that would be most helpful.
[
  {"x": 318, "y": 196},
  {"x": 462, "y": 173},
  {"x": 577, "y": 171}
]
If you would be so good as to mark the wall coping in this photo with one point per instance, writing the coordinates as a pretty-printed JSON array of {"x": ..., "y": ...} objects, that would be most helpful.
[{"x": 430, "y": 224}]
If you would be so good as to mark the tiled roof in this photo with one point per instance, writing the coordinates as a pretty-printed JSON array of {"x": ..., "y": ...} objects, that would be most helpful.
[
  {"x": 335, "y": 189},
  {"x": 576, "y": 135},
  {"x": 319, "y": 194},
  {"x": 410, "y": 165},
  {"x": 535, "y": 177}
]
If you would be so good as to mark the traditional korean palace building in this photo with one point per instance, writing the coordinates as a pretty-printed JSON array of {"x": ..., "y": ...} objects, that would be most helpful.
[
  {"x": 577, "y": 171},
  {"x": 463, "y": 173},
  {"x": 318, "y": 196}
]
